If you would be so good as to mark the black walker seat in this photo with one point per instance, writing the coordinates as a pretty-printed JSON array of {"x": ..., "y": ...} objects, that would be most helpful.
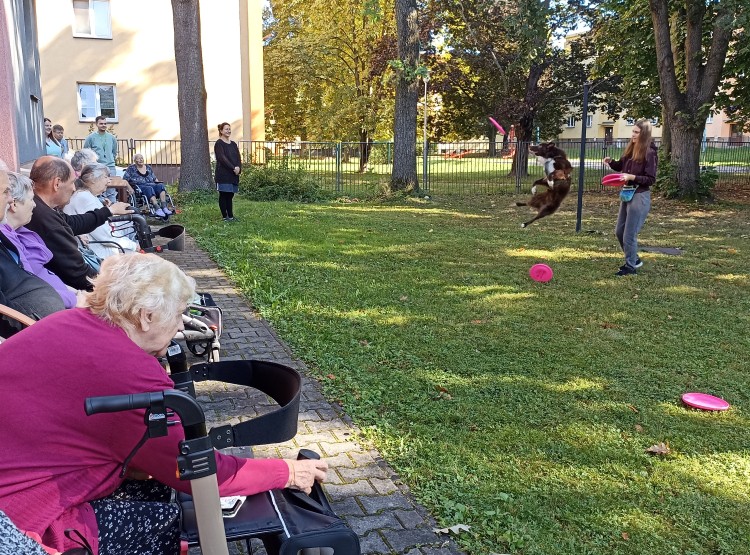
[{"x": 287, "y": 521}]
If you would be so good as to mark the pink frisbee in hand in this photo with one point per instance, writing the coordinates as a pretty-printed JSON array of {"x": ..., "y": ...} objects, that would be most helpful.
[
  {"x": 612, "y": 179},
  {"x": 540, "y": 272},
  {"x": 704, "y": 401}
]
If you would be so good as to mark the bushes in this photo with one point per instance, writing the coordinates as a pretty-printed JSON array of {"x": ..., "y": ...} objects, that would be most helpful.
[{"x": 264, "y": 183}]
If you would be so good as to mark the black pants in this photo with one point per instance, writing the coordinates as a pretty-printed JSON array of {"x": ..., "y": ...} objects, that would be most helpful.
[
  {"x": 138, "y": 518},
  {"x": 225, "y": 204}
]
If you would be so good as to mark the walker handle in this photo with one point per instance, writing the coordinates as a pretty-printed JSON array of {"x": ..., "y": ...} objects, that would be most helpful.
[{"x": 117, "y": 403}]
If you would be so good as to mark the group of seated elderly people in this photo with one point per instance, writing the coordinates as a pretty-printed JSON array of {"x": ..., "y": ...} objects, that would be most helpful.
[{"x": 61, "y": 478}]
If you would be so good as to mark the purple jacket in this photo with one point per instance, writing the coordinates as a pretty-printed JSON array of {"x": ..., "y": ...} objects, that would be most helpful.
[{"x": 34, "y": 254}]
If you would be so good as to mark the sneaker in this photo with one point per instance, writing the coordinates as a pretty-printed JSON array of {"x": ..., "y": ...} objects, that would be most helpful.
[
  {"x": 159, "y": 213},
  {"x": 167, "y": 211},
  {"x": 638, "y": 262},
  {"x": 231, "y": 219},
  {"x": 626, "y": 271}
]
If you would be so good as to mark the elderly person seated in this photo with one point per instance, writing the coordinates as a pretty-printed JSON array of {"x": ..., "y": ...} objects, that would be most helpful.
[
  {"x": 54, "y": 185},
  {"x": 74, "y": 462},
  {"x": 92, "y": 182},
  {"x": 19, "y": 289},
  {"x": 141, "y": 176},
  {"x": 82, "y": 158},
  {"x": 32, "y": 251}
]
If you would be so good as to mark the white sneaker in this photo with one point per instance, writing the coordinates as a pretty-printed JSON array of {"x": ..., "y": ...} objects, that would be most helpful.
[
  {"x": 159, "y": 213},
  {"x": 638, "y": 262},
  {"x": 167, "y": 211}
]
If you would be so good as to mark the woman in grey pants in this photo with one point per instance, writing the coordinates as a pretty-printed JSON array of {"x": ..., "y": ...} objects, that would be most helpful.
[{"x": 638, "y": 168}]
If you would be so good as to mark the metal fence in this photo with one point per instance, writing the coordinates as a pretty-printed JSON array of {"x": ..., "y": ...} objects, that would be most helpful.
[{"x": 455, "y": 168}]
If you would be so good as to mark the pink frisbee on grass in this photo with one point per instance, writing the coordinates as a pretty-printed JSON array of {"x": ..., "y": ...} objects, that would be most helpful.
[
  {"x": 541, "y": 273},
  {"x": 704, "y": 401},
  {"x": 612, "y": 179}
]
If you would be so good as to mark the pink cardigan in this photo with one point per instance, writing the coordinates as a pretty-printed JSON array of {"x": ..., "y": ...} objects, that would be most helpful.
[{"x": 54, "y": 459}]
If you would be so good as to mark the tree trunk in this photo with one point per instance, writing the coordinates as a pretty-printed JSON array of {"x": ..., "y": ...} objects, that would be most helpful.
[
  {"x": 524, "y": 135},
  {"x": 686, "y": 151},
  {"x": 195, "y": 165},
  {"x": 493, "y": 137},
  {"x": 666, "y": 133},
  {"x": 404, "y": 174},
  {"x": 365, "y": 147}
]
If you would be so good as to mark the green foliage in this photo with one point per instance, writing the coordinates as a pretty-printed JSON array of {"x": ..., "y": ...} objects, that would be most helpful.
[
  {"x": 274, "y": 183},
  {"x": 666, "y": 181},
  {"x": 522, "y": 409}
]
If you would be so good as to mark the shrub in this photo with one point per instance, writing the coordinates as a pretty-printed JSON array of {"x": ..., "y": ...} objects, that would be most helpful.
[
  {"x": 666, "y": 183},
  {"x": 265, "y": 183}
]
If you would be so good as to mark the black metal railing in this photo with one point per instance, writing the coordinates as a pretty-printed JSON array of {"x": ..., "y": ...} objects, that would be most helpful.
[{"x": 453, "y": 168}]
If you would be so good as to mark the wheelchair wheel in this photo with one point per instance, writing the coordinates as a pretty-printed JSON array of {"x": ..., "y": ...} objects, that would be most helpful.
[{"x": 199, "y": 349}]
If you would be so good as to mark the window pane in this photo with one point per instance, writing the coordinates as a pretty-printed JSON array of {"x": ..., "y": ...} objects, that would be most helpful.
[
  {"x": 87, "y": 101},
  {"x": 101, "y": 18},
  {"x": 107, "y": 101},
  {"x": 81, "y": 17}
]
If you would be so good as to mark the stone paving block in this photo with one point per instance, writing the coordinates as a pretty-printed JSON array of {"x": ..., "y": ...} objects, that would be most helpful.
[
  {"x": 362, "y": 487},
  {"x": 335, "y": 448},
  {"x": 401, "y": 540},
  {"x": 409, "y": 519},
  {"x": 360, "y": 472},
  {"x": 383, "y": 485},
  {"x": 376, "y": 504},
  {"x": 363, "y": 525},
  {"x": 347, "y": 507},
  {"x": 362, "y": 458},
  {"x": 446, "y": 548},
  {"x": 373, "y": 544}
]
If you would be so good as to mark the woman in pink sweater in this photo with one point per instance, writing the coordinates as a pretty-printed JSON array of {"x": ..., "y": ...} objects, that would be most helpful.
[{"x": 59, "y": 469}]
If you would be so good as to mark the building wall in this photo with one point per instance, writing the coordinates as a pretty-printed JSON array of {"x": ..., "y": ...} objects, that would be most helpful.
[{"x": 139, "y": 60}]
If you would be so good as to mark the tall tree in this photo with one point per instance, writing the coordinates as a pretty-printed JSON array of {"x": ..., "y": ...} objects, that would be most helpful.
[
  {"x": 407, "y": 73},
  {"x": 675, "y": 57},
  {"x": 195, "y": 162}
]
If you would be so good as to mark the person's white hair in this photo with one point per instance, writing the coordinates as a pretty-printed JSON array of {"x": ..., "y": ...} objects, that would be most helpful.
[
  {"x": 131, "y": 282},
  {"x": 21, "y": 187},
  {"x": 90, "y": 174},
  {"x": 82, "y": 158}
]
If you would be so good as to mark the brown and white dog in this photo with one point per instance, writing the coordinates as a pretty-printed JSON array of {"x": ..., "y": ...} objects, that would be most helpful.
[{"x": 556, "y": 183}]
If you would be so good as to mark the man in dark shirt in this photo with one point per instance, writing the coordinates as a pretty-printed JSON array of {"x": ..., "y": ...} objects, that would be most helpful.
[
  {"x": 20, "y": 289},
  {"x": 54, "y": 185}
]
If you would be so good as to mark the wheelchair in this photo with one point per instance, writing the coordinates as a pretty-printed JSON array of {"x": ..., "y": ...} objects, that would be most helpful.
[{"x": 142, "y": 205}]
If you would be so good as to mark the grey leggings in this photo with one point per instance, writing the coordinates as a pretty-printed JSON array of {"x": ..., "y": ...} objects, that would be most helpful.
[{"x": 629, "y": 222}]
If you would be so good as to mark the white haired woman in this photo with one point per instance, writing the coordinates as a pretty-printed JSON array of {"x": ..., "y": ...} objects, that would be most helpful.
[
  {"x": 92, "y": 182},
  {"x": 141, "y": 175},
  {"x": 74, "y": 463},
  {"x": 82, "y": 158},
  {"x": 32, "y": 251}
]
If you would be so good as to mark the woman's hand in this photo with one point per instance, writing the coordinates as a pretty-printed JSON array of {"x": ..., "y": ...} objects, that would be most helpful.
[
  {"x": 627, "y": 177},
  {"x": 236, "y": 170},
  {"x": 304, "y": 473},
  {"x": 607, "y": 160}
]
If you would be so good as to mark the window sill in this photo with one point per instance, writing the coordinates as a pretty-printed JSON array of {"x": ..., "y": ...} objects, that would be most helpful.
[{"x": 79, "y": 36}]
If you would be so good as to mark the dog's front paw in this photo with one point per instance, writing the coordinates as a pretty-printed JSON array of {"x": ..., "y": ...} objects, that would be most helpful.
[
  {"x": 533, "y": 190},
  {"x": 551, "y": 183},
  {"x": 523, "y": 225}
]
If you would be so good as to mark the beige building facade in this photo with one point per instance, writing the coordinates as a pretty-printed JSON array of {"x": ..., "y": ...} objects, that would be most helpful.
[
  {"x": 116, "y": 58},
  {"x": 599, "y": 126}
]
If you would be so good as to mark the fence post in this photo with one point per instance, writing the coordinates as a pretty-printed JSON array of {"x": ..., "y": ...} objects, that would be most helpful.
[
  {"x": 518, "y": 167},
  {"x": 338, "y": 167},
  {"x": 425, "y": 166}
]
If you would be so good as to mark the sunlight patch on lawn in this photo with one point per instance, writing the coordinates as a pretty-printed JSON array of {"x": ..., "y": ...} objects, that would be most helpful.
[
  {"x": 560, "y": 254},
  {"x": 682, "y": 289},
  {"x": 715, "y": 473},
  {"x": 736, "y": 278}
]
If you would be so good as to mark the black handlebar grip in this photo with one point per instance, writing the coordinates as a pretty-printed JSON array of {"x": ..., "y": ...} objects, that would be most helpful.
[
  {"x": 117, "y": 403},
  {"x": 122, "y": 218},
  {"x": 307, "y": 454}
]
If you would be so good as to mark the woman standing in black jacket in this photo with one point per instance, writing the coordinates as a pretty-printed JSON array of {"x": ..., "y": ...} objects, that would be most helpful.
[
  {"x": 638, "y": 167},
  {"x": 228, "y": 169}
]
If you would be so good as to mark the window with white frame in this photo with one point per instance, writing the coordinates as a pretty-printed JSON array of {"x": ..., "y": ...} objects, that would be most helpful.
[
  {"x": 630, "y": 121},
  {"x": 571, "y": 121},
  {"x": 589, "y": 121},
  {"x": 97, "y": 99},
  {"x": 91, "y": 19},
  {"x": 710, "y": 118},
  {"x": 654, "y": 121}
]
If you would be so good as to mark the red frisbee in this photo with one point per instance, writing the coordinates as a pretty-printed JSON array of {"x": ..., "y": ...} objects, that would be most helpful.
[
  {"x": 612, "y": 179},
  {"x": 704, "y": 401},
  {"x": 540, "y": 272}
]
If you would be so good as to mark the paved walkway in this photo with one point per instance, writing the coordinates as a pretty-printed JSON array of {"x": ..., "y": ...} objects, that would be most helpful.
[{"x": 363, "y": 489}]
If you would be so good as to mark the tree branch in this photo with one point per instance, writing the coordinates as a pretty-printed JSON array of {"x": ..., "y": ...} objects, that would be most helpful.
[{"x": 664, "y": 60}]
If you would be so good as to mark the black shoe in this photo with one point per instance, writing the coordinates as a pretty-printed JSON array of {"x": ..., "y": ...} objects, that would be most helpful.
[
  {"x": 626, "y": 271},
  {"x": 638, "y": 262},
  {"x": 231, "y": 219}
]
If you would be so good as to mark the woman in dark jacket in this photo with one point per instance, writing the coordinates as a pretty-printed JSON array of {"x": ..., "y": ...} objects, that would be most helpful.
[
  {"x": 228, "y": 169},
  {"x": 638, "y": 168}
]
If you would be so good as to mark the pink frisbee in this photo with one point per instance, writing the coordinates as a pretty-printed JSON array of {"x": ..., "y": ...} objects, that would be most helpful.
[
  {"x": 612, "y": 179},
  {"x": 540, "y": 272},
  {"x": 704, "y": 401},
  {"x": 497, "y": 125}
]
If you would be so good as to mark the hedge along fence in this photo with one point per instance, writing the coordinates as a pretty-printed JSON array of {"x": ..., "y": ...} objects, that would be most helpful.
[{"x": 454, "y": 168}]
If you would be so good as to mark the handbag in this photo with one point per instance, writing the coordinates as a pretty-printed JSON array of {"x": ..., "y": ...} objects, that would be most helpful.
[
  {"x": 89, "y": 257},
  {"x": 627, "y": 193}
]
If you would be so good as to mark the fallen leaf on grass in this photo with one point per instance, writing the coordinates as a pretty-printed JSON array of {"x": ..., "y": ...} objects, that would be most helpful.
[
  {"x": 638, "y": 428},
  {"x": 331, "y": 377},
  {"x": 625, "y": 536},
  {"x": 659, "y": 449},
  {"x": 631, "y": 407},
  {"x": 403, "y": 298},
  {"x": 478, "y": 321},
  {"x": 457, "y": 529},
  {"x": 364, "y": 342},
  {"x": 608, "y": 326}
]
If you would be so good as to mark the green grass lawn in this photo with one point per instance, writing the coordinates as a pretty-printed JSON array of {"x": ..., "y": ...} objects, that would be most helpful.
[{"x": 518, "y": 408}]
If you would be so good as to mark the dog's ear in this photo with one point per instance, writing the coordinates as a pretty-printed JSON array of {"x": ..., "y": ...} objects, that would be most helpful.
[{"x": 551, "y": 144}]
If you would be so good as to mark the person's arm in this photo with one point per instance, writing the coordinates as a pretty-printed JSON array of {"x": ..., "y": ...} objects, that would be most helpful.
[
  {"x": 67, "y": 261},
  {"x": 114, "y": 148},
  {"x": 616, "y": 164},
  {"x": 238, "y": 157},
  {"x": 86, "y": 222},
  {"x": 648, "y": 177},
  {"x": 88, "y": 143}
]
